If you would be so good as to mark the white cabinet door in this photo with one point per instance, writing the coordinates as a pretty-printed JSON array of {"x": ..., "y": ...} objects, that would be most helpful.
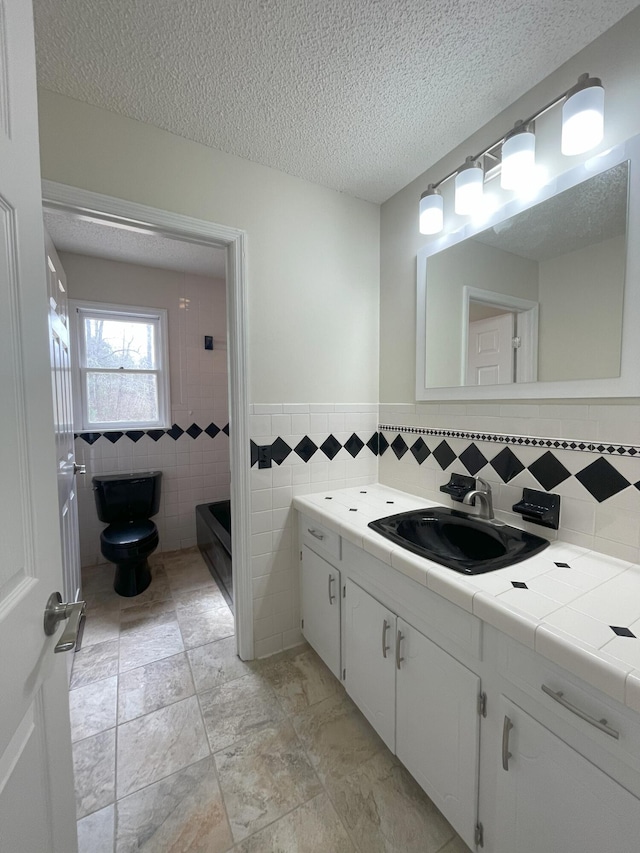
[
  {"x": 553, "y": 799},
  {"x": 437, "y": 727},
  {"x": 370, "y": 630},
  {"x": 320, "y": 598}
]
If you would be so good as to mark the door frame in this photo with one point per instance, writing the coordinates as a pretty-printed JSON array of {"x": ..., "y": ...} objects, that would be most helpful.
[
  {"x": 110, "y": 210},
  {"x": 527, "y": 314}
]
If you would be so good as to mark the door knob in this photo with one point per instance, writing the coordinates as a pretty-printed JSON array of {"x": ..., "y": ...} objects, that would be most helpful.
[
  {"x": 79, "y": 469},
  {"x": 57, "y": 610}
]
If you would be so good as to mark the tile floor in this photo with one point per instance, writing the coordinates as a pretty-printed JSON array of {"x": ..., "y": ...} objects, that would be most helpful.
[{"x": 180, "y": 747}]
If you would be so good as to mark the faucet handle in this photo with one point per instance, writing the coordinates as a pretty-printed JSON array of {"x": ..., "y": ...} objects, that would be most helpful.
[{"x": 482, "y": 484}]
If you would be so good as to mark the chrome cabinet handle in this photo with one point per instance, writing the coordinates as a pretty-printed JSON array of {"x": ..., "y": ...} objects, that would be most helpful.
[
  {"x": 315, "y": 533},
  {"x": 399, "y": 639},
  {"x": 599, "y": 724},
  {"x": 506, "y": 755},
  {"x": 56, "y": 611},
  {"x": 385, "y": 647},
  {"x": 332, "y": 597}
]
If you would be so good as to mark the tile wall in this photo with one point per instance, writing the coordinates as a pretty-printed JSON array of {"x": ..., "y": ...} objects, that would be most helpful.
[
  {"x": 589, "y": 454},
  {"x": 313, "y": 448}
]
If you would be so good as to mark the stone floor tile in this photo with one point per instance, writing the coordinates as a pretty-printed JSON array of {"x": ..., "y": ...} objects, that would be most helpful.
[
  {"x": 386, "y": 811},
  {"x": 159, "y": 744},
  {"x": 182, "y": 813},
  {"x": 456, "y": 845},
  {"x": 264, "y": 776},
  {"x": 149, "y": 644},
  {"x": 237, "y": 709},
  {"x": 96, "y": 831},
  {"x": 94, "y": 768},
  {"x": 313, "y": 827},
  {"x": 139, "y": 616},
  {"x": 199, "y": 600},
  {"x": 301, "y": 680},
  {"x": 216, "y": 663},
  {"x": 94, "y": 663},
  {"x": 154, "y": 686},
  {"x": 100, "y": 626},
  {"x": 93, "y": 708},
  {"x": 201, "y": 628}
]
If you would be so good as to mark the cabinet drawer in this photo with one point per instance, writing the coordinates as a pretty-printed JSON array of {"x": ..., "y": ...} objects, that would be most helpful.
[{"x": 319, "y": 538}]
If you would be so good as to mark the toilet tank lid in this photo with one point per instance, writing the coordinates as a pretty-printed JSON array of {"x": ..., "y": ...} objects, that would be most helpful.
[{"x": 114, "y": 478}]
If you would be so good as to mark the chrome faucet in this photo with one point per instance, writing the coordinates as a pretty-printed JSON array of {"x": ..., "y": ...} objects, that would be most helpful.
[{"x": 481, "y": 494}]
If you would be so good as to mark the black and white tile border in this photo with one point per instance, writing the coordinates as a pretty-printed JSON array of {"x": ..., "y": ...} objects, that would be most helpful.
[
  {"x": 175, "y": 432},
  {"x": 306, "y": 448}
]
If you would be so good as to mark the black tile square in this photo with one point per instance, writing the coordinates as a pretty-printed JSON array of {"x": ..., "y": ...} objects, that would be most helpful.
[
  {"x": 444, "y": 455},
  {"x": 305, "y": 448},
  {"x": 194, "y": 430},
  {"x": 113, "y": 436},
  {"x": 134, "y": 434},
  {"x": 354, "y": 445},
  {"x": 330, "y": 446},
  {"x": 472, "y": 459},
  {"x": 563, "y": 565},
  {"x": 519, "y": 585},
  {"x": 622, "y": 632},
  {"x": 399, "y": 446},
  {"x": 373, "y": 443},
  {"x": 91, "y": 437},
  {"x": 225, "y": 429},
  {"x": 155, "y": 434},
  {"x": 548, "y": 471},
  {"x": 279, "y": 451},
  {"x": 175, "y": 432},
  {"x": 506, "y": 464},
  {"x": 601, "y": 480},
  {"x": 254, "y": 452},
  {"x": 420, "y": 451},
  {"x": 383, "y": 444},
  {"x": 212, "y": 430}
]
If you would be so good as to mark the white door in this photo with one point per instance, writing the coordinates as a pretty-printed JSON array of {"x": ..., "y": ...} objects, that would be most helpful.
[
  {"x": 370, "y": 643},
  {"x": 320, "y": 597},
  {"x": 37, "y": 808},
  {"x": 490, "y": 351},
  {"x": 438, "y": 727},
  {"x": 550, "y": 798},
  {"x": 59, "y": 356}
]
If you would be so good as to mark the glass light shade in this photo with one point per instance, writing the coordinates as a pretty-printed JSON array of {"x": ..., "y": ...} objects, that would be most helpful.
[
  {"x": 518, "y": 160},
  {"x": 583, "y": 119},
  {"x": 431, "y": 212},
  {"x": 469, "y": 187}
]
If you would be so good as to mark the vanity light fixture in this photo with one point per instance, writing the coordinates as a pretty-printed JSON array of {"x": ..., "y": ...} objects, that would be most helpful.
[{"x": 514, "y": 154}]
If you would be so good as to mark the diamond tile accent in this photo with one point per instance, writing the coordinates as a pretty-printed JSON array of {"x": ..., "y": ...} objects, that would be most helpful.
[
  {"x": 254, "y": 452},
  {"x": 354, "y": 445},
  {"x": 420, "y": 451},
  {"x": 472, "y": 459},
  {"x": 194, "y": 430},
  {"x": 548, "y": 471},
  {"x": 134, "y": 434},
  {"x": 519, "y": 585},
  {"x": 444, "y": 455},
  {"x": 90, "y": 437},
  {"x": 373, "y": 443},
  {"x": 506, "y": 464},
  {"x": 399, "y": 446},
  {"x": 622, "y": 632},
  {"x": 383, "y": 444},
  {"x": 306, "y": 448},
  {"x": 563, "y": 565},
  {"x": 602, "y": 480},
  {"x": 212, "y": 430},
  {"x": 225, "y": 429},
  {"x": 280, "y": 450},
  {"x": 330, "y": 446},
  {"x": 155, "y": 434},
  {"x": 175, "y": 432},
  {"x": 113, "y": 436}
]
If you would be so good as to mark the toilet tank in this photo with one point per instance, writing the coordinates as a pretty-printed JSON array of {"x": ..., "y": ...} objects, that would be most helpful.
[{"x": 127, "y": 497}]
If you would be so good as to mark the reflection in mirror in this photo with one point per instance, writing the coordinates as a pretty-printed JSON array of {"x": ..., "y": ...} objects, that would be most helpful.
[{"x": 538, "y": 296}]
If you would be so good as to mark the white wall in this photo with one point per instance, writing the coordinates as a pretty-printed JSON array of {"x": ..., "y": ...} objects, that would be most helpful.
[{"x": 194, "y": 470}]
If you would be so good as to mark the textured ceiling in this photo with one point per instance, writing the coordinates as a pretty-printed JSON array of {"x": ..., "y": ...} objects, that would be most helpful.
[
  {"x": 117, "y": 244},
  {"x": 586, "y": 214},
  {"x": 358, "y": 95}
]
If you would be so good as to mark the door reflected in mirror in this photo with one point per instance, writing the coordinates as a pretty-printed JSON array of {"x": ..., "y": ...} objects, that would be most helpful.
[{"x": 537, "y": 297}]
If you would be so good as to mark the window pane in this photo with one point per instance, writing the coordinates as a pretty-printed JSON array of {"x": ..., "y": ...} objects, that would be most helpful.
[
  {"x": 120, "y": 343},
  {"x": 122, "y": 398}
]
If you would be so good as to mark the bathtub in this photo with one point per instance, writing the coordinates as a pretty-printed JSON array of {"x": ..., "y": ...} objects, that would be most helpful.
[{"x": 213, "y": 530}]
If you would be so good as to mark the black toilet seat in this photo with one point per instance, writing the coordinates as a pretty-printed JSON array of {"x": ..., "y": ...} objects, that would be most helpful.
[{"x": 125, "y": 540}]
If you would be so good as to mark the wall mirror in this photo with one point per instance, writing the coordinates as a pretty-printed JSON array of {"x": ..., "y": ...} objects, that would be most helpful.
[{"x": 543, "y": 298}]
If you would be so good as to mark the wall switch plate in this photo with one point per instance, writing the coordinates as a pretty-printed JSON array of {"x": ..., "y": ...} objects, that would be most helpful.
[{"x": 264, "y": 456}]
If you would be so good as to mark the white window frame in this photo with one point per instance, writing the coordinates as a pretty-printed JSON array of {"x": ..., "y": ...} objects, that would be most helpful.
[{"x": 157, "y": 316}]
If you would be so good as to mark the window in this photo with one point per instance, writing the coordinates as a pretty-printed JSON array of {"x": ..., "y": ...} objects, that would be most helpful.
[{"x": 122, "y": 366}]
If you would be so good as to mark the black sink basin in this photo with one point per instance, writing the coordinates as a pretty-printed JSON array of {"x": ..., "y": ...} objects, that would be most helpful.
[{"x": 457, "y": 540}]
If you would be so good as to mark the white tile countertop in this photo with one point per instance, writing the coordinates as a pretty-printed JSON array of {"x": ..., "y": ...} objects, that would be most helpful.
[{"x": 577, "y": 608}]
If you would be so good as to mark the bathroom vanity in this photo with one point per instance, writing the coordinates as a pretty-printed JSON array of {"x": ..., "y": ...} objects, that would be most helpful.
[{"x": 509, "y": 711}]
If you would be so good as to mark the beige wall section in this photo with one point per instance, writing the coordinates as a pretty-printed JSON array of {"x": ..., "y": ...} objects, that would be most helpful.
[
  {"x": 581, "y": 297},
  {"x": 614, "y": 58},
  {"x": 313, "y": 253}
]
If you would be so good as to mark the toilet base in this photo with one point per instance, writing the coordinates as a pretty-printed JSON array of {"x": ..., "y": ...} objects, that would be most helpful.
[{"x": 132, "y": 578}]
